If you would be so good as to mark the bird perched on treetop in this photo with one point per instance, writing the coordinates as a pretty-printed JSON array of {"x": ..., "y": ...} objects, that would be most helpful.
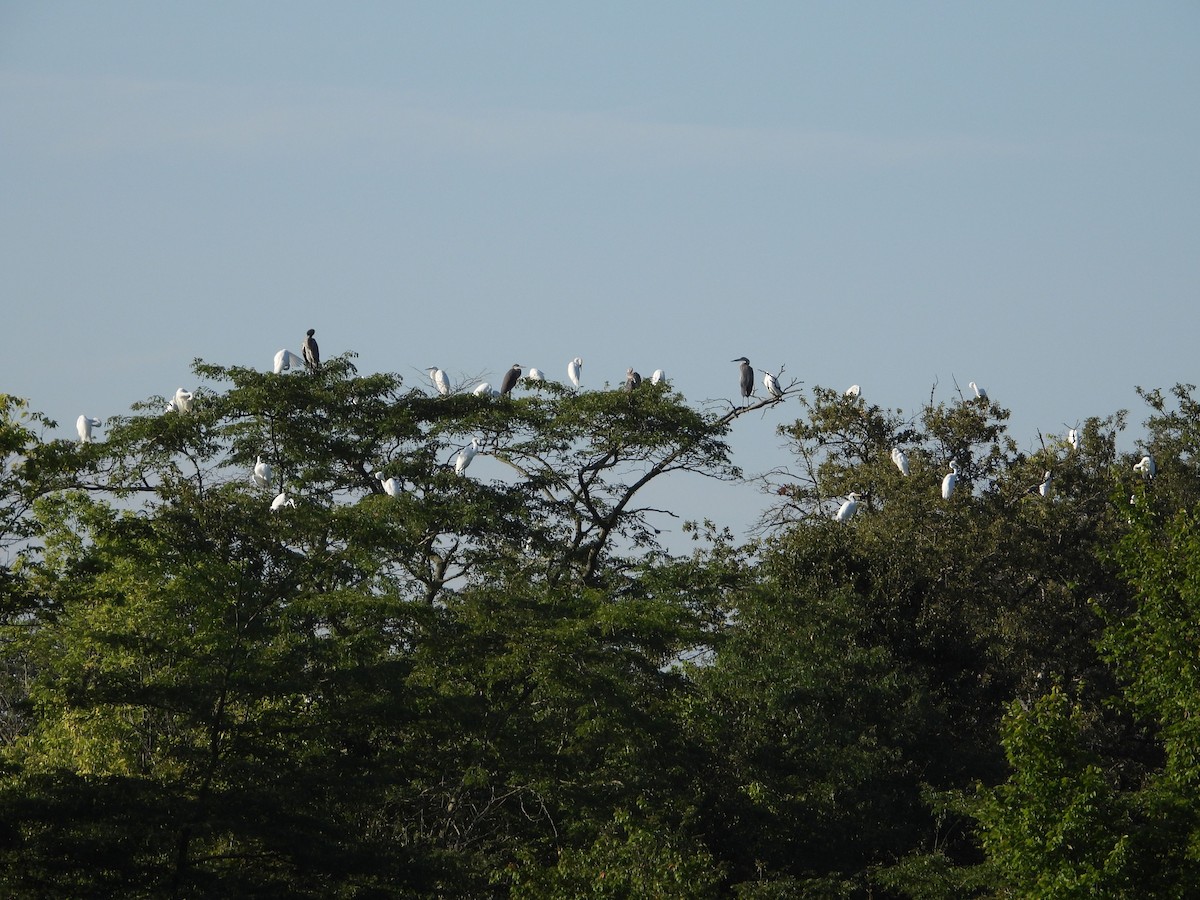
[
  {"x": 747, "y": 376},
  {"x": 312, "y": 355},
  {"x": 510, "y": 379}
]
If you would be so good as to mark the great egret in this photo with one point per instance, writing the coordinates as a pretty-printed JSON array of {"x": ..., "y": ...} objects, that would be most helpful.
[
  {"x": 483, "y": 389},
  {"x": 84, "y": 425},
  {"x": 1044, "y": 487},
  {"x": 439, "y": 379},
  {"x": 950, "y": 481},
  {"x": 980, "y": 393},
  {"x": 312, "y": 354},
  {"x": 771, "y": 383},
  {"x": 182, "y": 401},
  {"x": 286, "y": 360},
  {"x": 281, "y": 500},
  {"x": 659, "y": 375},
  {"x": 510, "y": 379},
  {"x": 390, "y": 485},
  {"x": 465, "y": 455},
  {"x": 535, "y": 374},
  {"x": 747, "y": 377},
  {"x": 900, "y": 458},
  {"x": 847, "y": 510},
  {"x": 1073, "y": 438},
  {"x": 262, "y": 473},
  {"x": 1146, "y": 466},
  {"x": 852, "y": 392},
  {"x": 575, "y": 371}
]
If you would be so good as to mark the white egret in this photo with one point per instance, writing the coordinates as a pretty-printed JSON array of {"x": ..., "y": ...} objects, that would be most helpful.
[
  {"x": 1044, "y": 487},
  {"x": 439, "y": 379},
  {"x": 746, "y": 381},
  {"x": 980, "y": 393},
  {"x": 262, "y": 473},
  {"x": 535, "y": 374},
  {"x": 281, "y": 500},
  {"x": 465, "y": 455},
  {"x": 391, "y": 486},
  {"x": 286, "y": 360},
  {"x": 183, "y": 401},
  {"x": 950, "y": 481},
  {"x": 852, "y": 392},
  {"x": 632, "y": 379},
  {"x": 483, "y": 389},
  {"x": 847, "y": 510},
  {"x": 575, "y": 371},
  {"x": 1146, "y": 466},
  {"x": 510, "y": 379},
  {"x": 84, "y": 425},
  {"x": 1073, "y": 438},
  {"x": 771, "y": 383},
  {"x": 659, "y": 375},
  {"x": 312, "y": 354},
  {"x": 900, "y": 458}
]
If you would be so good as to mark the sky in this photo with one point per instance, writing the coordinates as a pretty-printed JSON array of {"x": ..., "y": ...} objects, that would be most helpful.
[{"x": 899, "y": 195}]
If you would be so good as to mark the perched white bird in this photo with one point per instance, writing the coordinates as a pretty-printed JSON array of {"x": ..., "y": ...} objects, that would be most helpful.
[
  {"x": 439, "y": 379},
  {"x": 281, "y": 500},
  {"x": 1044, "y": 487},
  {"x": 1073, "y": 438},
  {"x": 900, "y": 458},
  {"x": 1146, "y": 466},
  {"x": 575, "y": 371},
  {"x": 950, "y": 481},
  {"x": 262, "y": 473},
  {"x": 659, "y": 375},
  {"x": 286, "y": 360},
  {"x": 535, "y": 374},
  {"x": 771, "y": 383},
  {"x": 847, "y": 510},
  {"x": 465, "y": 455},
  {"x": 483, "y": 389},
  {"x": 853, "y": 391},
  {"x": 182, "y": 401},
  {"x": 390, "y": 485},
  {"x": 980, "y": 393},
  {"x": 84, "y": 425}
]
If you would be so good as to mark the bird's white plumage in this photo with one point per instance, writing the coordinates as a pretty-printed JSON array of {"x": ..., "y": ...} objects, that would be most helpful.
[
  {"x": 535, "y": 374},
  {"x": 950, "y": 481},
  {"x": 853, "y": 391},
  {"x": 465, "y": 455},
  {"x": 1044, "y": 487},
  {"x": 1073, "y": 438},
  {"x": 439, "y": 379},
  {"x": 286, "y": 360},
  {"x": 771, "y": 383},
  {"x": 281, "y": 500},
  {"x": 84, "y": 426},
  {"x": 847, "y": 510},
  {"x": 900, "y": 458},
  {"x": 182, "y": 401},
  {"x": 391, "y": 486},
  {"x": 483, "y": 389},
  {"x": 659, "y": 375},
  {"x": 575, "y": 371},
  {"x": 980, "y": 393},
  {"x": 1146, "y": 466},
  {"x": 262, "y": 473}
]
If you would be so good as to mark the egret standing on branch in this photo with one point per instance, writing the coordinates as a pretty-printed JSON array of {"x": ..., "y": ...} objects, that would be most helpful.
[
  {"x": 1146, "y": 466},
  {"x": 949, "y": 482},
  {"x": 262, "y": 473},
  {"x": 390, "y": 485},
  {"x": 980, "y": 393},
  {"x": 575, "y": 371},
  {"x": 465, "y": 455},
  {"x": 847, "y": 510},
  {"x": 439, "y": 379},
  {"x": 852, "y": 392},
  {"x": 510, "y": 379},
  {"x": 900, "y": 458},
  {"x": 771, "y": 383},
  {"x": 535, "y": 374},
  {"x": 182, "y": 401},
  {"x": 84, "y": 425},
  {"x": 312, "y": 354},
  {"x": 658, "y": 376},
  {"x": 747, "y": 378}
]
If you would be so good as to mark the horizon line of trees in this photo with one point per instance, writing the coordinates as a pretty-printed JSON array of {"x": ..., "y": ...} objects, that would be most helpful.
[{"x": 413, "y": 682}]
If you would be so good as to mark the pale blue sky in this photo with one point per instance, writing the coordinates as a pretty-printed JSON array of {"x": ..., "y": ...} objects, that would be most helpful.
[{"x": 881, "y": 193}]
